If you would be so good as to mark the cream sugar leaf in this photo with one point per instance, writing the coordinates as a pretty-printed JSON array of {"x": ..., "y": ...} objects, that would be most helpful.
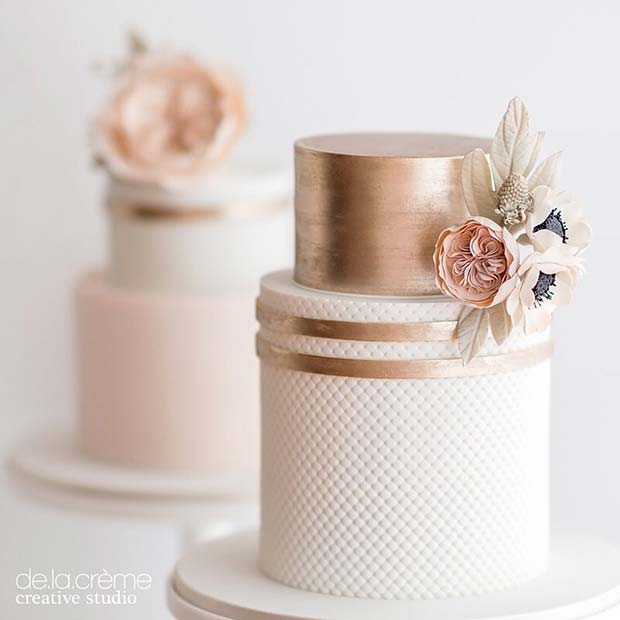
[{"x": 499, "y": 187}]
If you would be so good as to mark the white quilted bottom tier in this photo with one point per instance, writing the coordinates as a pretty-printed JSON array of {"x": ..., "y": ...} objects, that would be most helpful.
[{"x": 402, "y": 488}]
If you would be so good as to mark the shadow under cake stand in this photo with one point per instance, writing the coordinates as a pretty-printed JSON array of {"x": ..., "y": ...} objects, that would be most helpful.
[
  {"x": 50, "y": 468},
  {"x": 219, "y": 580}
]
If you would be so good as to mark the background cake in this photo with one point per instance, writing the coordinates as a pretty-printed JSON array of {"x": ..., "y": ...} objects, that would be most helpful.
[
  {"x": 405, "y": 378},
  {"x": 164, "y": 330}
]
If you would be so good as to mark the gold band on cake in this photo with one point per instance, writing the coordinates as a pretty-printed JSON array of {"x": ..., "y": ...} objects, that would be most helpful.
[
  {"x": 401, "y": 369},
  {"x": 369, "y": 208},
  {"x": 274, "y": 320},
  {"x": 241, "y": 211}
]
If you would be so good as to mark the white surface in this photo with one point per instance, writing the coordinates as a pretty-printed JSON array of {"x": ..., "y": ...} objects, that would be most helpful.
[
  {"x": 55, "y": 460},
  {"x": 199, "y": 514},
  {"x": 309, "y": 67},
  {"x": 219, "y": 579}
]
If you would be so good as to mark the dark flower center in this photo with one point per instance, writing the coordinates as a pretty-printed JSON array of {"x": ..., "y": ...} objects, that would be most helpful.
[
  {"x": 543, "y": 288},
  {"x": 555, "y": 224}
]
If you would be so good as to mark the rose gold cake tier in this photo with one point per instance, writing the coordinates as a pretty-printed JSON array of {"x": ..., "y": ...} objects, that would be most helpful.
[{"x": 369, "y": 208}]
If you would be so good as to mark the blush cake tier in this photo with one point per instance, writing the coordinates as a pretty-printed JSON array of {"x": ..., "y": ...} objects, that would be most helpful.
[
  {"x": 389, "y": 468},
  {"x": 159, "y": 377},
  {"x": 164, "y": 333}
]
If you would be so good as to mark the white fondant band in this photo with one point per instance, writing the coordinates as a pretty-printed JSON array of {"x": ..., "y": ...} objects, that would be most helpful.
[{"x": 401, "y": 369}]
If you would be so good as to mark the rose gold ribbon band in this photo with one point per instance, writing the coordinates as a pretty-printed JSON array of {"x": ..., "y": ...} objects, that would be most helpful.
[
  {"x": 437, "y": 331},
  {"x": 401, "y": 369},
  {"x": 207, "y": 212}
]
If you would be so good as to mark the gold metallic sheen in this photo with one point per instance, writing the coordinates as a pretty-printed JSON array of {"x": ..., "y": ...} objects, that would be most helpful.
[
  {"x": 401, "y": 369},
  {"x": 280, "y": 322},
  {"x": 143, "y": 211},
  {"x": 369, "y": 208}
]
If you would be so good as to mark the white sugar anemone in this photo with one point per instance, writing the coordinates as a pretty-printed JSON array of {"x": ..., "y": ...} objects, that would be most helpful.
[
  {"x": 556, "y": 219},
  {"x": 546, "y": 281}
]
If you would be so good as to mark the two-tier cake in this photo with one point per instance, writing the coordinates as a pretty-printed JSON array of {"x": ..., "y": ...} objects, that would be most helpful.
[
  {"x": 390, "y": 468},
  {"x": 405, "y": 390}
]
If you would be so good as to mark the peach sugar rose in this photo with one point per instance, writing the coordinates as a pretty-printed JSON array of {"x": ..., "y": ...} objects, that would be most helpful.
[
  {"x": 170, "y": 120},
  {"x": 476, "y": 262}
]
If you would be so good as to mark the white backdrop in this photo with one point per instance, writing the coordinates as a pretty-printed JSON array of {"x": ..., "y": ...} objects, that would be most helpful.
[{"x": 311, "y": 66}]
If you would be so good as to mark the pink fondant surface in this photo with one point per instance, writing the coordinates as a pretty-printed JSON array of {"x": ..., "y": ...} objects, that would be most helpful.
[{"x": 167, "y": 381}]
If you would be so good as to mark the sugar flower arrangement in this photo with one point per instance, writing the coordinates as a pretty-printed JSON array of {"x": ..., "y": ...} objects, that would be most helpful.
[
  {"x": 170, "y": 120},
  {"x": 517, "y": 256}
]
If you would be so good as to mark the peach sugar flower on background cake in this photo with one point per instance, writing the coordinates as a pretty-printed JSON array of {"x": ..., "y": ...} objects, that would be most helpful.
[
  {"x": 170, "y": 120},
  {"x": 506, "y": 283}
]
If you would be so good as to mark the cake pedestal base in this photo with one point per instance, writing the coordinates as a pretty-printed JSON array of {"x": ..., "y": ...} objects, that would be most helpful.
[
  {"x": 219, "y": 580},
  {"x": 50, "y": 468}
]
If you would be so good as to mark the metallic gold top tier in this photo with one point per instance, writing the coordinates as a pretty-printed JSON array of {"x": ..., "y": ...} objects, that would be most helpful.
[{"x": 369, "y": 208}]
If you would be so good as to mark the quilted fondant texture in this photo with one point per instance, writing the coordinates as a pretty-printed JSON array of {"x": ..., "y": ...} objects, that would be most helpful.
[
  {"x": 350, "y": 349},
  {"x": 280, "y": 292},
  {"x": 404, "y": 488}
]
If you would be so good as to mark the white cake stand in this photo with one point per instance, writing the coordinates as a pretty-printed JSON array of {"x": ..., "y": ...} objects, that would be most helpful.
[
  {"x": 219, "y": 580},
  {"x": 50, "y": 468}
]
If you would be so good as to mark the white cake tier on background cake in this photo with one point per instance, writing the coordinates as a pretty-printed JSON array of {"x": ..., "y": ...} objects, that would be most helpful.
[
  {"x": 165, "y": 332},
  {"x": 398, "y": 488},
  {"x": 217, "y": 237}
]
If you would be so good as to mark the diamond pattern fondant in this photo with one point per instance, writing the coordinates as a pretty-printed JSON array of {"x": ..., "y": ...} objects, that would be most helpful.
[
  {"x": 404, "y": 488},
  {"x": 279, "y": 292},
  {"x": 328, "y": 347}
]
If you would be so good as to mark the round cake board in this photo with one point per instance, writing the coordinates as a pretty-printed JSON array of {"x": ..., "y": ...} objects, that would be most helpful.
[
  {"x": 51, "y": 468},
  {"x": 219, "y": 580}
]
